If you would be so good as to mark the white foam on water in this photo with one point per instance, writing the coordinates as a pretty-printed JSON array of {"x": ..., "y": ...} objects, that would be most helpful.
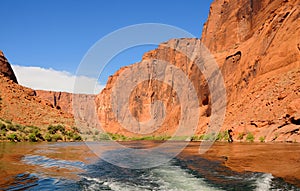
[
  {"x": 168, "y": 177},
  {"x": 174, "y": 178},
  {"x": 110, "y": 183},
  {"x": 97, "y": 180},
  {"x": 263, "y": 183}
]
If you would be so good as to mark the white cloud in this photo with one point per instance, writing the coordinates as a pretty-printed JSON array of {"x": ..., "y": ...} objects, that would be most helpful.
[{"x": 48, "y": 79}]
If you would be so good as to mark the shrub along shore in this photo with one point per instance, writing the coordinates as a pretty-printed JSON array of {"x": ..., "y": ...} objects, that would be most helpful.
[
  {"x": 18, "y": 133},
  {"x": 221, "y": 136},
  {"x": 12, "y": 132}
]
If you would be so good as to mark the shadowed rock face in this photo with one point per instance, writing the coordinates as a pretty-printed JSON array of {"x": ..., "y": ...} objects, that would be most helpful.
[
  {"x": 80, "y": 106},
  {"x": 6, "y": 69},
  {"x": 256, "y": 45},
  {"x": 59, "y": 100}
]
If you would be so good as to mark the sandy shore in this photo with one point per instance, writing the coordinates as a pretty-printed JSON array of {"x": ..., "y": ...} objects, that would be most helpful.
[{"x": 280, "y": 159}]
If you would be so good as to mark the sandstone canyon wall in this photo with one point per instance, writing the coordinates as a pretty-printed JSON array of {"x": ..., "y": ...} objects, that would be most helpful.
[
  {"x": 144, "y": 93},
  {"x": 256, "y": 45},
  {"x": 80, "y": 106},
  {"x": 26, "y": 106},
  {"x": 21, "y": 105}
]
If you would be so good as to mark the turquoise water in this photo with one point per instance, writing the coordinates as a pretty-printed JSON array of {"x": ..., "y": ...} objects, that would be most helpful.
[{"x": 72, "y": 166}]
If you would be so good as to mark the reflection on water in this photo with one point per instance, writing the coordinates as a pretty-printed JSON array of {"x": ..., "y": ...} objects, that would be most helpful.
[{"x": 72, "y": 166}]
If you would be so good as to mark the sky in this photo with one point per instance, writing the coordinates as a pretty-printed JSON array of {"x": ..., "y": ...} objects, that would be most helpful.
[{"x": 46, "y": 40}]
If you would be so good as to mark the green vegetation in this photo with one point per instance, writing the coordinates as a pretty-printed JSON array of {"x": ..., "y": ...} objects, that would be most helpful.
[
  {"x": 19, "y": 133},
  {"x": 32, "y": 137},
  {"x": 56, "y": 138},
  {"x": 276, "y": 136},
  {"x": 241, "y": 136},
  {"x": 104, "y": 137},
  {"x": 59, "y": 133},
  {"x": 10, "y": 131},
  {"x": 180, "y": 138},
  {"x": 77, "y": 137},
  {"x": 53, "y": 129},
  {"x": 262, "y": 139},
  {"x": 118, "y": 137},
  {"x": 221, "y": 136},
  {"x": 250, "y": 137},
  {"x": 151, "y": 138},
  {"x": 48, "y": 137},
  {"x": 13, "y": 137}
]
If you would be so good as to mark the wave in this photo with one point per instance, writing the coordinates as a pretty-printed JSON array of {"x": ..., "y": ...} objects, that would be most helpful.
[{"x": 47, "y": 162}]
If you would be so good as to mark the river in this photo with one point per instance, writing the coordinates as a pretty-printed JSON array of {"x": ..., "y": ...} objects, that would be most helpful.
[{"x": 74, "y": 166}]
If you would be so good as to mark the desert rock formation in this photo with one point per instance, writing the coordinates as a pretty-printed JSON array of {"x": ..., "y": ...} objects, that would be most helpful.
[
  {"x": 21, "y": 105},
  {"x": 256, "y": 45},
  {"x": 5, "y": 68},
  {"x": 80, "y": 106}
]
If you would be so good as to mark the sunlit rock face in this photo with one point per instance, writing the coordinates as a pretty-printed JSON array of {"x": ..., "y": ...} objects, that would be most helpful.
[{"x": 256, "y": 45}]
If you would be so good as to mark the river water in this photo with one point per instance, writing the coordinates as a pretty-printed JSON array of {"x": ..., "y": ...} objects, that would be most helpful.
[{"x": 74, "y": 166}]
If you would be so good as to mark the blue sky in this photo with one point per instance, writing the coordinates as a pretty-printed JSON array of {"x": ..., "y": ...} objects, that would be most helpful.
[{"x": 56, "y": 34}]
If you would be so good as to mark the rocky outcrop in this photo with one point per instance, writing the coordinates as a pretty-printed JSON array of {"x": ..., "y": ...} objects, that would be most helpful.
[
  {"x": 5, "y": 68},
  {"x": 21, "y": 105},
  {"x": 79, "y": 105},
  {"x": 149, "y": 89},
  {"x": 256, "y": 45},
  {"x": 40, "y": 108},
  {"x": 59, "y": 100}
]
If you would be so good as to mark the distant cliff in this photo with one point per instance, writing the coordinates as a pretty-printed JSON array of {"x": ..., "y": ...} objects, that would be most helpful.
[{"x": 80, "y": 106}]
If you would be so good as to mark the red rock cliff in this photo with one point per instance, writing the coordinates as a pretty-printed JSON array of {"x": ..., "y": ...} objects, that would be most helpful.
[
  {"x": 6, "y": 69},
  {"x": 21, "y": 105},
  {"x": 65, "y": 102},
  {"x": 144, "y": 93},
  {"x": 256, "y": 44}
]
